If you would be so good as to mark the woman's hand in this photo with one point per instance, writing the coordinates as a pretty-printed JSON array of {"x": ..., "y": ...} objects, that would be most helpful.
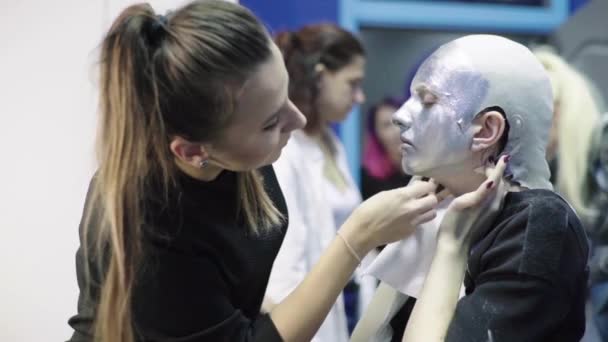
[
  {"x": 437, "y": 301},
  {"x": 391, "y": 215},
  {"x": 474, "y": 209}
]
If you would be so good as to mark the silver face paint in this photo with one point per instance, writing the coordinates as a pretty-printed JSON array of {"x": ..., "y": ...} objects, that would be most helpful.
[
  {"x": 438, "y": 130},
  {"x": 464, "y": 77}
]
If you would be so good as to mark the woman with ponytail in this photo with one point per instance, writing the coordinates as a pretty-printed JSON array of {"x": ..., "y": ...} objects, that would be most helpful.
[{"x": 184, "y": 216}]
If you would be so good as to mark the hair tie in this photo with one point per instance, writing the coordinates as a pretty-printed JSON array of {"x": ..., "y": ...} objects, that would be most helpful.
[
  {"x": 157, "y": 29},
  {"x": 159, "y": 24},
  {"x": 162, "y": 19}
]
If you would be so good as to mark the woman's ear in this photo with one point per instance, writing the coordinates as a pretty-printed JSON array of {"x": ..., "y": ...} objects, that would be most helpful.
[
  {"x": 321, "y": 75},
  {"x": 188, "y": 152},
  {"x": 319, "y": 68},
  {"x": 489, "y": 128}
]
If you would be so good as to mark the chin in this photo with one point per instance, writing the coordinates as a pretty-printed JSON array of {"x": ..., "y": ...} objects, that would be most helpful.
[
  {"x": 339, "y": 116},
  {"x": 415, "y": 169},
  {"x": 272, "y": 158}
]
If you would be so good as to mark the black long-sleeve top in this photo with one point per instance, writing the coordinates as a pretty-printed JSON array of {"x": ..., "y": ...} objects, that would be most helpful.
[
  {"x": 204, "y": 273},
  {"x": 526, "y": 276}
]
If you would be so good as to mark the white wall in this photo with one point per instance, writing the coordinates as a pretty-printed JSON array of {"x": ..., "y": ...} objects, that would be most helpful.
[
  {"x": 47, "y": 121},
  {"x": 47, "y": 127}
]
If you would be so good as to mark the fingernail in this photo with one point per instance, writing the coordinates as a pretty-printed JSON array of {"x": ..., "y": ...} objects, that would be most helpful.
[
  {"x": 489, "y": 186},
  {"x": 507, "y": 158}
]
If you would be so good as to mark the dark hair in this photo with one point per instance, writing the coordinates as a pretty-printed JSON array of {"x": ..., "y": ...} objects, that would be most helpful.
[
  {"x": 375, "y": 157},
  {"x": 302, "y": 50},
  {"x": 160, "y": 77}
]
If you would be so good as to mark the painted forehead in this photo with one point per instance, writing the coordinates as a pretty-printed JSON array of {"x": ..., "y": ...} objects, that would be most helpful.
[{"x": 450, "y": 75}]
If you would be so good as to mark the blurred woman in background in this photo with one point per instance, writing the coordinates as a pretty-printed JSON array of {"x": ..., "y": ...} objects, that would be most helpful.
[
  {"x": 574, "y": 154},
  {"x": 326, "y": 67},
  {"x": 576, "y": 113},
  {"x": 382, "y": 152}
]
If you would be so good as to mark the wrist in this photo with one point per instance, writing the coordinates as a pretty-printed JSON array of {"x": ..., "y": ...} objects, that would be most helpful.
[
  {"x": 452, "y": 248},
  {"x": 357, "y": 237}
]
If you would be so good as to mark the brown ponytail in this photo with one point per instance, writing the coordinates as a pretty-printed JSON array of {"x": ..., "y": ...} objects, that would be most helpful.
[{"x": 156, "y": 76}]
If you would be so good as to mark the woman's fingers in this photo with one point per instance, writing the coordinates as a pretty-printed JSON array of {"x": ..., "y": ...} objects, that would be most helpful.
[
  {"x": 426, "y": 217},
  {"x": 421, "y": 205},
  {"x": 487, "y": 190},
  {"x": 496, "y": 172},
  {"x": 443, "y": 194},
  {"x": 477, "y": 197},
  {"x": 419, "y": 189},
  {"x": 415, "y": 179}
]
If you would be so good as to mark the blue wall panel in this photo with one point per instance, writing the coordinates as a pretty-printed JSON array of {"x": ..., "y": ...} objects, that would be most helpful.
[
  {"x": 575, "y": 5},
  {"x": 292, "y": 14}
]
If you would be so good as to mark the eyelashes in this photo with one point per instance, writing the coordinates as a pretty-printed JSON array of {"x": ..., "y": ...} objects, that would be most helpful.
[{"x": 272, "y": 125}]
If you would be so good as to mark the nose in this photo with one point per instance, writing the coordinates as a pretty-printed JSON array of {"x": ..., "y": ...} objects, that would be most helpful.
[
  {"x": 359, "y": 96},
  {"x": 402, "y": 118},
  {"x": 295, "y": 118}
]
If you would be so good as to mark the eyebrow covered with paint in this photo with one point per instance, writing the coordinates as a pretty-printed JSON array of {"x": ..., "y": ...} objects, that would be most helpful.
[{"x": 426, "y": 94}]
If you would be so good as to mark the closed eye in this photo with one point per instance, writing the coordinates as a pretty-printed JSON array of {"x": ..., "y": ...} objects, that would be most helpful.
[{"x": 273, "y": 124}]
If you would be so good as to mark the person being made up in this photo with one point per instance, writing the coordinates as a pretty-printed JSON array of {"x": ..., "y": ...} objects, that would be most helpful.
[
  {"x": 382, "y": 153},
  {"x": 475, "y": 100},
  {"x": 326, "y": 67},
  {"x": 184, "y": 216}
]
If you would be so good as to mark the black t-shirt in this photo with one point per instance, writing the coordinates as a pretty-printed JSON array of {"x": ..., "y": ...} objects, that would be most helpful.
[
  {"x": 205, "y": 273},
  {"x": 526, "y": 278}
]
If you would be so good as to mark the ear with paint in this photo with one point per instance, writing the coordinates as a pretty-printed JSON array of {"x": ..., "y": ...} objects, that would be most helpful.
[{"x": 489, "y": 129}]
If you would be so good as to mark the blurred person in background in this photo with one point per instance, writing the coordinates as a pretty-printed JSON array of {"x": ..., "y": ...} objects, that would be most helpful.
[
  {"x": 597, "y": 173},
  {"x": 382, "y": 152},
  {"x": 326, "y": 66},
  {"x": 574, "y": 154},
  {"x": 576, "y": 113}
]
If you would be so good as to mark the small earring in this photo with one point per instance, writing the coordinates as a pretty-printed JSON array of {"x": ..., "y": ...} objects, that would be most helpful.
[{"x": 203, "y": 164}]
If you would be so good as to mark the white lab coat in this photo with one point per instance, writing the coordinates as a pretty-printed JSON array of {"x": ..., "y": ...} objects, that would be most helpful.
[{"x": 311, "y": 226}]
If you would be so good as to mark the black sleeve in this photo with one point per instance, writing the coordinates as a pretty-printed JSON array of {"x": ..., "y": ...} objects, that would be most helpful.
[
  {"x": 82, "y": 322},
  {"x": 526, "y": 285},
  {"x": 181, "y": 298},
  {"x": 88, "y": 275},
  {"x": 178, "y": 299}
]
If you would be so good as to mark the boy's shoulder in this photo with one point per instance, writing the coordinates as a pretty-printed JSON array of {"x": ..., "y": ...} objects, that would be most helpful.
[{"x": 537, "y": 234}]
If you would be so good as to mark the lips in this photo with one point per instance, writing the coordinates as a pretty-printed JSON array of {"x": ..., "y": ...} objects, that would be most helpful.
[{"x": 406, "y": 142}]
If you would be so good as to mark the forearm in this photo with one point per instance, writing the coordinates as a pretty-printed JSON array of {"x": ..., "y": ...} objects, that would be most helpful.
[
  {"x": 299, "y": 316},
  {"x": 385, "y": 303},
  {"x": 436, "y": 304}
]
